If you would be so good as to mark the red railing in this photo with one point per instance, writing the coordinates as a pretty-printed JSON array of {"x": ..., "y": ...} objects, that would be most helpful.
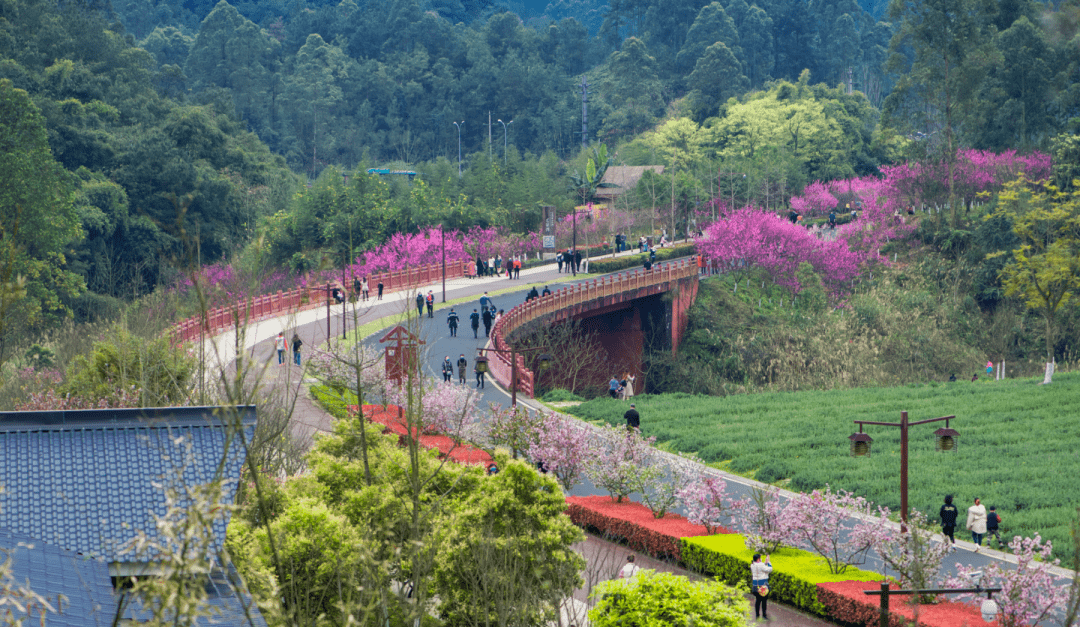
[
  {"x": 559, "y": 304},
  {"x": 301, "y": 299}
]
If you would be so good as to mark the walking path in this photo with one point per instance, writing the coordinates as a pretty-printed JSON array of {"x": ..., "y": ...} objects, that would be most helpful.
[{"x": 308, "y": 418}]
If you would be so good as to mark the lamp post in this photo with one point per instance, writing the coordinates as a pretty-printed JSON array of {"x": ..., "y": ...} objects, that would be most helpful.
[
  {"x": 860, "y": 445},
  {"x": 442, "y": 232},
  {"x": 573, "y": 266},
  {"x": 505, "y": 124},
  {"x": 482, "y": 365},
  {"x": 459, "y": 146},
  {"x": 989, "y": 607}
]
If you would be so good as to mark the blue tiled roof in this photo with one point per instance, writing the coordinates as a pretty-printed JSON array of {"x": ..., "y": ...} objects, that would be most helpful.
[
  {"x": 53, "y": 571},
  {"x": 84, "y": 480},
  {"x": 226, "y": 607}
]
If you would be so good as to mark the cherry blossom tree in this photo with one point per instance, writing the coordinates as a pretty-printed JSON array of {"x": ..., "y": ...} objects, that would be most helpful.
[
  {"x": 621, "y": 462},
  {"x": 563, "y": 447},
  {"x": 840, "y": 527},
  {"x": 514, "y": 427},
  {"x": 913, "y": 553},
  {"x": 707, "y": 504},
  {"x": 1029, "y": 591},
  {"x": 760, "y": 519}
]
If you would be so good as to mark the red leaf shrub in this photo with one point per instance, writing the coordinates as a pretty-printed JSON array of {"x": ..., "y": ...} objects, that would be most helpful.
[
  {"x": 845, "y": 602},
  {"x": 634, "y": 523},
  {"x": 392, "y": 422}
]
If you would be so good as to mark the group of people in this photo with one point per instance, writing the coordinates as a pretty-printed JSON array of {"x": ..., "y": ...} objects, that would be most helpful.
[
  {"x": 570, "y": 258},
  {"x": 494, "y": 266},
  {"x": 980, "y": 522},
  {"x": 462, "y": 368},
  {"x": 622, "y": 389},
  {"x": 429, "y": 301},
  {"x": 282, "y": 345}
]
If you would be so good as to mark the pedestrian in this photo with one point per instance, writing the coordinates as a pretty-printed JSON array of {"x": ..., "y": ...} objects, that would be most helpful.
[
  {"x": 759, "y": 585},
  {"x": 633, "y": 418},
  {"x": 832, "y": 219},
  {"x": 989, "y": 368},
  {"x": 629, "y": 569},
  {"x": 975, "y": 377},
  {"x": 447, "y": 370},
  {"x": 613, "y": 387},
  {"x": 648, "y": 264},
  {"x": 279, "y": 343},
  {"x": 558, "y": 261},
  {"x": 628, "y": 386},
  {"x": 479, "y": 266},
  {"x": 510, "y": 269},
  {"x": 488, "y": 318},
  {"x": 339, "y": 296},
  {"x": 652, "y": 255},
  {"x": 992, "y": 522},
  {"x": 700, "y": 264},
  {"x": 419, "y": 304},
  {"x": 462, "y": 363},
  {"x": 452, "y": 322},
  {"x": 485, "y": 301},
  {"x": 976, "y": 523},
  {"x": 479, "y": 376},
  {"x": 430, "y": 304},
  {"x": 495, "y": 315},
  {"x": 491, "y": 265},
  {"x": 296, "y": 344},
  {"x": 380, "y": 286},
  {"x": 364, "y": 288},
  {"x": 948, "y": 515},
  {"x": 357, "y": 289},
  {"x": 577, "y": 261},
  {"x": 546, "y": 291},
  {"x": 474, "y": 320},
  {"x": 517, "y": 268},
  {"x": 498, "y": 265},
  {"x": 532, "y": 294}
]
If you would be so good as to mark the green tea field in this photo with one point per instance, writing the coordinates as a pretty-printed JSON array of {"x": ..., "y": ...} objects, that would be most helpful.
[{"x": 1019, "y": 444}]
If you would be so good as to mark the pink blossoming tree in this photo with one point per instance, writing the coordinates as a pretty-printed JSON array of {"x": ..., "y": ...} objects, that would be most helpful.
[
  {"x": 840, "y": 527},
  {"x": 707, "y": 504},
  {"x": 563, "y": 447}
]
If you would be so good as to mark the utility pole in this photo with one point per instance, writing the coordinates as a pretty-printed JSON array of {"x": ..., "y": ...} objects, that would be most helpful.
[{"x": 584, "y": 112}]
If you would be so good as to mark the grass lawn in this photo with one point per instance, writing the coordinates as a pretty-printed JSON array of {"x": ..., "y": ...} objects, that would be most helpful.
[{"x": 1019, "y": 444}]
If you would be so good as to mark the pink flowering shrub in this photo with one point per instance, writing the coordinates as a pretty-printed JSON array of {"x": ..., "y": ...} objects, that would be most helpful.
[
  {"x": 816, "y": 200},
  {"x": 840, "y": 527},
  {"x": 563, "y": 447},
  {"x": 622, "y": 462},
  {"x": 706, "y": 504}
]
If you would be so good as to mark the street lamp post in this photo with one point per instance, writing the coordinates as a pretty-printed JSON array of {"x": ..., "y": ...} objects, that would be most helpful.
[
  {"x": 942, "y": 434},
  {"x": 442, "y": 232},
  {"x": 459, "y": 146},
  {"x": 505, "y": 124},
  {"x": 482, "y": 365}
]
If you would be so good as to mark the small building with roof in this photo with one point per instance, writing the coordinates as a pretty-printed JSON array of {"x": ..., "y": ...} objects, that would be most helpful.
[{"x": 624, "y": 178}]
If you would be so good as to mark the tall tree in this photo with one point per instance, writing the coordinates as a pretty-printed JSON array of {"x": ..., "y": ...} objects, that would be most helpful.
[
  {"x": 717, "y": 76},
  {"x": 712, "y": 25}
]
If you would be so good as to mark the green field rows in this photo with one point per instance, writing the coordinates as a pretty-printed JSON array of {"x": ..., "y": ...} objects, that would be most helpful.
[{"x": 1019, "y": 444}]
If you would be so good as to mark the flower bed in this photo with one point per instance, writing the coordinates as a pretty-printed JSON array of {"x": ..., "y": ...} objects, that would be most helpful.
[
  {"x": 633, "y": 523},
  {"x": 844, "y": 601},
  {"x": 462, "y": 453}
]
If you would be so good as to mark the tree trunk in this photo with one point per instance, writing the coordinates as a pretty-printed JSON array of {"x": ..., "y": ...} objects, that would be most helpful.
[{"x": 1049, "y": 348}]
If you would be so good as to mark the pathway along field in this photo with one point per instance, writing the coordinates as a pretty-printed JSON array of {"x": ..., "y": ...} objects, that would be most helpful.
[{"x": 1019, "y": 444}]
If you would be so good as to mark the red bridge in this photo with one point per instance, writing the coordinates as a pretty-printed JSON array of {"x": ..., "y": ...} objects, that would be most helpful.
[{"x": 626, "y": 311}]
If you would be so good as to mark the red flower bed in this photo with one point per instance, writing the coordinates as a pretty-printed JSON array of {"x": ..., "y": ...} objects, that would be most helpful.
[
  {"x": 844, "y": 601},
  {"x": 390, "y": 419},
  {"x": 634, "y": 523}
]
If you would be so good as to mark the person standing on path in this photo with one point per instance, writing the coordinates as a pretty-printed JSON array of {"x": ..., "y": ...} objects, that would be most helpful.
[
  {"x": 462, "y": 363},
  {"x": 280, "y": 345},
  {"x": 992, "y": 522},
  {"x": 629, "y": 569},
  {"x": 452, "y": 322},
  {"x": 357, "y": 289},
  {"x": 380, "y": 286},
  {"x": 419, "y": 304},
  {"x": 474, "y": 320},
  {"x": 517, "y": 268},
  {"x": 613, "y": 387},
  {"x": 948, "y": 514},
  {"x": 558, "y": 261},
  {"x": 976, "y": 523},
  {"x": 364, "y": 289},
  {"x": 759, "y": 585},
  {"x": 488, "y": 318},
  {"x": 447, "y": 370},
  {"x": 633, "y": 418},
  {"x": 577, "y": 261},
  {"x": 296, "y": 344}
]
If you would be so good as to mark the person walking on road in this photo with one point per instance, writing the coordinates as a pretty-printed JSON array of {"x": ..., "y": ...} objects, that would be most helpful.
[
  {"x": 630, "y": 569},
  {"x": 517, "y": 268},
  {"x": 546, "y": 292},
  {"x": 485, "y": 301},
  {"x": 364, "y": 289},
  {"x": 357, "y": 289},
  {"x": 452, "y": 322},
  {"x": 380, "y": 286},
  {"x": 488, "y": 318},
  {"x": 447, "y": 370},
  {"x": 992, "y": 522},
  {"x": 759, "y": 585},
  {"x": 577, "y": 261},
  {"x": 296, "y": 344},
  {"x": 430, "y": 304},
  {"x": 633, "y": 418},
  {"x": 532, "y": 294},
  {"x": 479, "y": 378},
  {"x": 948, "y": 514},
  {"x": 474, "y": 320},
  {"x": 280, "y": 345},
  {"x": 976, "y": 523},
  {"x": 419, "y": 304},
  {"x": 462, "y": 363},
  {"x": 558, "y": 261}
]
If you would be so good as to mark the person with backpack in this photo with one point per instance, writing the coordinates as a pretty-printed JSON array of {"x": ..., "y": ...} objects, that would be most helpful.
[
  {"x": 993, "y": 520},
  {"x": 462, "y": 363},
  {"x": 419, "y": 304},
  {"x": 488, "y": 318},
  {"x": 948, "y": 513}
]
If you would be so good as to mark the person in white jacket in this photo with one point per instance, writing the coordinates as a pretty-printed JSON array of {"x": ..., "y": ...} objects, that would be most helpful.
[
  {"x": 629, "y": 569},
  {"x": 759, "y": 583},
  {"x": 976, "y": 523}
]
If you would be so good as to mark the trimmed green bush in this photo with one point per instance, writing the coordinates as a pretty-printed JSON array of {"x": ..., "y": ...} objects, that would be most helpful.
[
  {"x": 602, "y": 266},
  {"x": 560, "y": 395},
  {"x": 795, "y": 573}
]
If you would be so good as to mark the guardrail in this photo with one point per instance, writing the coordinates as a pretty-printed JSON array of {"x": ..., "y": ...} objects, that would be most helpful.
[
  {"x": 562, "y": 300},
  {"x": 304, "y": 298}
]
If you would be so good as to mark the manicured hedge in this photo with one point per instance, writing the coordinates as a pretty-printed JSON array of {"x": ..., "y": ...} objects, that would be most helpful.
[
  {"x": 795, "y": 577},
  {"x": 601, "y": 266},
  {"x": 633, "y": 523},
  {"x": 844, "y": 601}
]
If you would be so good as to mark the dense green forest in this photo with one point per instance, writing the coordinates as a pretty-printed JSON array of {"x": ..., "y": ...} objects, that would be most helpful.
[{"x": 145, "y": 137}]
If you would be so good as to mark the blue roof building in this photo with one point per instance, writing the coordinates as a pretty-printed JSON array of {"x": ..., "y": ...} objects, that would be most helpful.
[{"x": 82, "y": 484}]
